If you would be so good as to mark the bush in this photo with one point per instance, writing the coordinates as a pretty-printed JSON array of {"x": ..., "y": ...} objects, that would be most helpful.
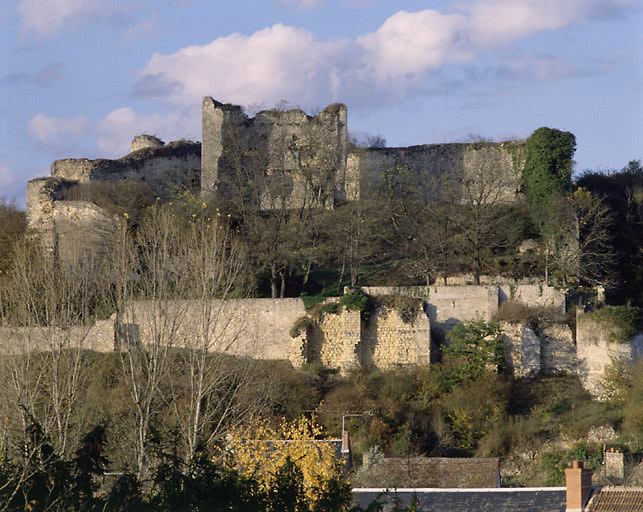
[
  {"x": 407, "y": 307},
  {"x": 556, "y": 461},
  {"x": 513, "y": 311},
  {"x": 311, "y": 300},
  {"x": 625, "y": 321},
  {"x": 357, "y": 300},
  {"x": 479, "y": 348},
  {"x": 301, "y": 324}
]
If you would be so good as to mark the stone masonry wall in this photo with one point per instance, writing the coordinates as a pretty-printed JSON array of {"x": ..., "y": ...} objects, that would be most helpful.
[
  {"x": 534, "y": 295},
  {"x": 432, "y": 163},
  {"x": 282, "y": 154},
  {"x": 446, "y": 306},
  {"x": 328, "y": 341},
  {"x": 160, "y": 166},
  {"x": 450, "y": 305},
  {"x": 595, "y": 352},
  {"x": 558, "y": 350},
  {"x": 256, "y": 328},
  {"x": 260, "y": 328},
  {"x": 16, "y": 340},
  {"x": 522, "y": 350},
  {"x": 80, "y": 227}
]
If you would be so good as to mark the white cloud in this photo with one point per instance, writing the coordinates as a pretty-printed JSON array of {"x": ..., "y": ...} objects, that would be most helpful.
[
  {"x": 409, "y": 44},
  {"x": 6, "y": 176},
  {"x": 494, "y": 22},
  {"x": 48, "y": 17},
  {"x": 389, "y": 64},
  {"x": 110, "y": 137},
  {"x": 117, "y": 129},
  {"x": 52, "y": 131},
  {"x": 272, "y": 64}
]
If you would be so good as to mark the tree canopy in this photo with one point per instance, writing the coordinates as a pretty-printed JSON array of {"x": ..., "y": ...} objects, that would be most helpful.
[{"x": 548, "y": 164}]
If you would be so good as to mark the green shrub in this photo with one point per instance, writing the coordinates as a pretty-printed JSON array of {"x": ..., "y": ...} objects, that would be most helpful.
[
  {"x": 556, "y": 461},
  {"x": 407, "y": 307},
  {"x": 479, "y": 348},
  {"x": 625, "y": 321},
  {"x": 357, "y": 301},
  {"x": 331, "y": 309},
  {"x": 311, "y": 300}
]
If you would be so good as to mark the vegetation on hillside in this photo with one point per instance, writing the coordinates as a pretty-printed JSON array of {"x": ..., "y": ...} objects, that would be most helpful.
[{"x": 159, "y": 413}]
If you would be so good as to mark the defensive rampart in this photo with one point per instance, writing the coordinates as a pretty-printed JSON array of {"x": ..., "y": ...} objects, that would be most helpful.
[
  {"x": 439, "y": 171},
  {"x": 340, "y": 338},
  {"x": 277, "y": 159}
]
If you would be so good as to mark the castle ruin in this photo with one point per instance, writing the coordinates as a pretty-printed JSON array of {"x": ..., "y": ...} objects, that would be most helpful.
[
  {"x": 287, "y": 159},
  {"x": 278, "y": 158}
]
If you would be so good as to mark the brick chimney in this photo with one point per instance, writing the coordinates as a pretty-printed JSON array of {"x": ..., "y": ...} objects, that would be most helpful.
[
  {"x": 579, "y": 482},
  {"x": 346, "y": 442}
]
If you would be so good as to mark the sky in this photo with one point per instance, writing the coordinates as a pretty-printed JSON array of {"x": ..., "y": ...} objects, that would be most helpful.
[{"x": 81, "y": 78}]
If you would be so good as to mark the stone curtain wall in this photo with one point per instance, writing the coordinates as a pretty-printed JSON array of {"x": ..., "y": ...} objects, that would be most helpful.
[
  {"x": 450, "y": 305},
  {"x": 432, "y": 164},
  {"x": 260, "y": 328},
  {"x": 534, "y": 295},
  {"x": 558, "y": 350},
  {"x": 63, "y": 223},
  {"x": 388, "y": 341},
  {"x": 446, "y": 306},
  {"x": 98, "y": 337},
  {"x": 82, "y": 227},
  {"x": 522, "y": 350},
  {"x": 256, "y": 328},
  {"x": 174, "y": 164}
]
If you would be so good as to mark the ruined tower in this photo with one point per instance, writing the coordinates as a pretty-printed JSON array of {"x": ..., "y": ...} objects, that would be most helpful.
[{"x": 282, "y": 155}]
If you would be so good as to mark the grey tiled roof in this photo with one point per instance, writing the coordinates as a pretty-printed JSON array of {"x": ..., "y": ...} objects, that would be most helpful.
[
  {"x": 423, "y": 472},
  {"x": 469, "y": 500},
  {"x": 636, "y": 477}
]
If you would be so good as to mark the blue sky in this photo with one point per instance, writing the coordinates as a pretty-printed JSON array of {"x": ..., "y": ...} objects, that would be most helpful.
[{"x": 81, "y": 78}]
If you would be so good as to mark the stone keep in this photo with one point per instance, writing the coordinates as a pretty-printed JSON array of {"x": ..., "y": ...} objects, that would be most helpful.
[{"x": 281, "y": 157}]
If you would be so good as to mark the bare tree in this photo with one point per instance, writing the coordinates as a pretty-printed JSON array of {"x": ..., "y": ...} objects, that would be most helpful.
[
  {"x": 476, "y": 199},
  {"x": 147, "y": 268},
  {"x": 209, "y": 397},
  {"x": 47, "y": 308}
]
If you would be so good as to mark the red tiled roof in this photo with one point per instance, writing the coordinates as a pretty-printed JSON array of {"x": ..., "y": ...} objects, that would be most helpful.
[{"x": 617, "y": 499}]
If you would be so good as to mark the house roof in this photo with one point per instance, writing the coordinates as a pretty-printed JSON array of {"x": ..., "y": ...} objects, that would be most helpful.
[
  {"x": 433, "y": 472},
  {"x": 543, "y": 499},
  {"x": 636, "y": 477},
  {"x": 617, "y": 499}
]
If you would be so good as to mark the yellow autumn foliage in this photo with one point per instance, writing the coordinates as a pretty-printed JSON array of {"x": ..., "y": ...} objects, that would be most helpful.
[{"x": 260, "y": 448}]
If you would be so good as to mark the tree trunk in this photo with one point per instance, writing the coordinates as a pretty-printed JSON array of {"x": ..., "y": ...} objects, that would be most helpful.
[{"x": 273, "y": 281}]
